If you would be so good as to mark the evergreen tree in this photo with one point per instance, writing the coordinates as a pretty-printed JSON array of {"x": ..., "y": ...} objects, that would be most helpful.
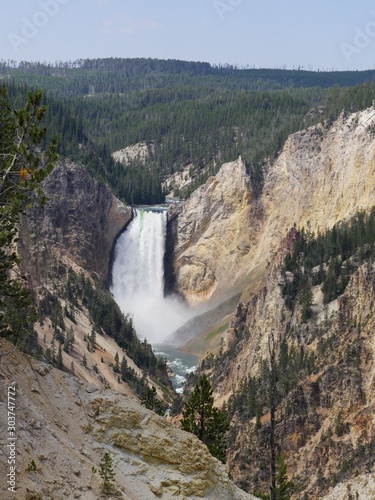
[
  {"x": 272, "y": 403},
  {"x": 306, "y": 298},
  {"x": 59, "y": 358},
  {"x": 116, "y": 368},
  {"x": 53, "y": 351},
  {"x": 92, "y": 339},
  {"x": 284, "y": 488},
  {"x": 201, "y": 418},
  {"x": 151, "y": 402},
  {"x": 22, "y": 169},
  {"x": 106, "y": 473},
  {"x": 124, "y": 368},
  {"x": 69, "y": 340}
]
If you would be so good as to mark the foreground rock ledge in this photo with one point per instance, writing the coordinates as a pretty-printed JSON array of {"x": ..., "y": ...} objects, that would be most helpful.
[{"x": 65, "y": 425}]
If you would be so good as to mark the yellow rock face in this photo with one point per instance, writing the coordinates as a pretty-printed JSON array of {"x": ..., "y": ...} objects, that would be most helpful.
[
  {"x": 212, "y": 235},
  {"x": 321, "y": 177}
]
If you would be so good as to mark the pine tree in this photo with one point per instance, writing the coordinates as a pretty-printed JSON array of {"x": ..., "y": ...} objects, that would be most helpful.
[
  {"x": 272, "y": 403},
  {"x": 284, "y": 488},
  {"x": 150, "y": 401},
  {"x": 116, "y": 368},
  {"x": 22, "y": 169},
  {"x": 305, "y": 296},
  {"x": 59, "y": 358},
  {"x": 106, "y": 473},
  {"x": 124, "y": 368},
  {"x": 69, "y": 340},
  {"x": 53, "y": 351},
  {"x": 201, "y": 418},
  {"x": 92, "y": 339}
]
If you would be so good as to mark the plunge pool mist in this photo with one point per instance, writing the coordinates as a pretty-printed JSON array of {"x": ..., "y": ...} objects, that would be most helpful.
[{"x": 138, "y": 286}]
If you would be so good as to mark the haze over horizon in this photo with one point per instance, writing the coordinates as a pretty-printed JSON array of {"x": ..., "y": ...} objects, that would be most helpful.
[{"x": 334, "y": 36}]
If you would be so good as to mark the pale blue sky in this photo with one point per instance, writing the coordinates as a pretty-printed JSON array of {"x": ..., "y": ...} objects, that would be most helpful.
[{"x": 324, "y": 34}]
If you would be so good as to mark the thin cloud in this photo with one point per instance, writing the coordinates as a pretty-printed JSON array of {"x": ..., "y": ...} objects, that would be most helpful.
[{"x": 128, "y": 25}]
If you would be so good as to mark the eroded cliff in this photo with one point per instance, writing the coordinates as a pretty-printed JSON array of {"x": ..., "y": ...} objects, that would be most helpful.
[
  {"x": 78, "y": 224},
  {"x": 325, "y": 424},
  {"x": 65, "y": 425},
  {"x": 216, "y": 229},
  {"x": 323, "y": 175},
  {"x": 324, "y": 416}
]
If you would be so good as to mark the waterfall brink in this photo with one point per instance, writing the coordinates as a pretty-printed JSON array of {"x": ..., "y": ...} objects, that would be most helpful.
[{"x": 138, "y": 278}]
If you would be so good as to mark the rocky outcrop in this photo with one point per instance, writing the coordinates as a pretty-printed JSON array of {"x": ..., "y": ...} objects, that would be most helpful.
[
  {"x": 322, "y": 176},
  {"x": 213, "y": 242},
  {"x": 325, "y": 423},
  {"x": 139, "y": 152},
  {"x": 65, "y": 425},
  {"x": 78, "y": 224},
  {"x": 362, "y": 487}
]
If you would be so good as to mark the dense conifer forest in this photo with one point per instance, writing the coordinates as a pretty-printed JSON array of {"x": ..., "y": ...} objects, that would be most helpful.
[
  {"x": 190, "y": 115},
  {"x": 327, "y": 260}
]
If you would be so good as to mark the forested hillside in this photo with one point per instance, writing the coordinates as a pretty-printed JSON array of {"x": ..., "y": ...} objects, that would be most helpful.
[
  {"x": 117, "y": 75},
  {"x": 190, "y": 115},
  {"x": 39, "y": 288}
]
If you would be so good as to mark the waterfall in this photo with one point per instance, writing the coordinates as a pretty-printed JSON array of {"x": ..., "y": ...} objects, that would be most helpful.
[{"x": 138, "y": 278}]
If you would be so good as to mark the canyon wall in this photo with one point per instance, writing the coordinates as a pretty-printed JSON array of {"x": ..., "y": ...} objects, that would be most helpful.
[
  {"x": 77, "y": 226},
  {"x": 324, "y": 423},
  {"x": 65, "y": 426},
  {"x": 323, "y": 175},
  {"x": 216, "y": 229}
]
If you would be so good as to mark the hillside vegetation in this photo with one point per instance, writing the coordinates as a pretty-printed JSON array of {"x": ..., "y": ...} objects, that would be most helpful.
[{"x": 190, "y": 115}]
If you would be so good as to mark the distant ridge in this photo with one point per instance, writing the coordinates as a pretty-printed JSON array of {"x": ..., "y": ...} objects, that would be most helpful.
[{"x": 225, "y": 75}]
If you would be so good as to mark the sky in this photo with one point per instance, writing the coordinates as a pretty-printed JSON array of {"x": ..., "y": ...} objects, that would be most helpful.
[{"x": 323, "y": 34}]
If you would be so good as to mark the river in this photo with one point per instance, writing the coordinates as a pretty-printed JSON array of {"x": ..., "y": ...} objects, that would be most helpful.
[{"x": 138, "y": 288}]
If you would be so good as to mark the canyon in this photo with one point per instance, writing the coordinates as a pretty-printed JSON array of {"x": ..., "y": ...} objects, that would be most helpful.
[
  {"x": 67, "y": 419},
  {"x": 227, "y": 240},
  {"x": 324, "y": 426}
]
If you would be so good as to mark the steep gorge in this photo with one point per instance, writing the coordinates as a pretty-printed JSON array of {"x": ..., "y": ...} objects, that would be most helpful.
[
  {"x": 224, "y": 232},
  {"x": 67, "y": 419},
  {"x": 325, "y": 421}
]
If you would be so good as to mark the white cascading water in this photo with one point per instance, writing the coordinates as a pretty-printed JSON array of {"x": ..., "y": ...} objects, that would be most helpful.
[{"x": 138, "y": 278}]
